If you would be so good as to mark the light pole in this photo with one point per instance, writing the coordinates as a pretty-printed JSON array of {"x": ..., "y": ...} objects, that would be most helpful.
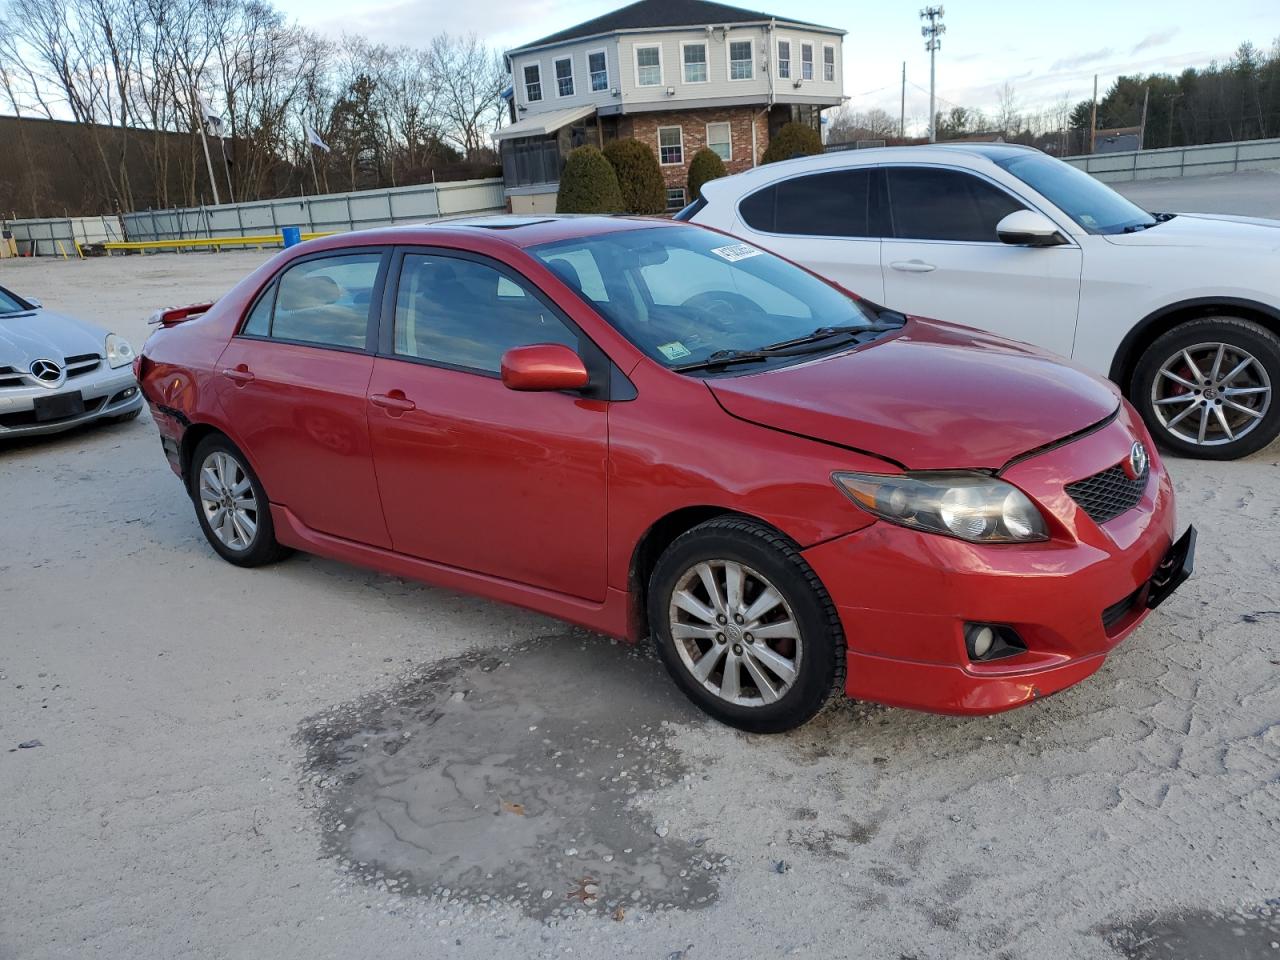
[{"x": 932, "y": 32}]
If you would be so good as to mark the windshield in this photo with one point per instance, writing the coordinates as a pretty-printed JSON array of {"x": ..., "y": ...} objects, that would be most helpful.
[
  {"x": 1087, "y": 201},
  {"x": 9, "y": 303},
  {"x": 682, "y": 294}
]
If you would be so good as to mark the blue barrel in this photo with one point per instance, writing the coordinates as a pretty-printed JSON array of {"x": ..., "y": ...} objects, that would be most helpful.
[{"x": 292, "y": 236}]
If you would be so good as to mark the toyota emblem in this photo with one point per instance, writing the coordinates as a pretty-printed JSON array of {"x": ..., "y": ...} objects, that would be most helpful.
[
  {"x": 1136, "y": 465},
  {"x": 48, "y": 373}
]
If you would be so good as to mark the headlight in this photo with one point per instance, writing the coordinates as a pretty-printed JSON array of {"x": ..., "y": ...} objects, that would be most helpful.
[
  {"x": 971, "y": 506},
  {"x": 119, "y": 353}
]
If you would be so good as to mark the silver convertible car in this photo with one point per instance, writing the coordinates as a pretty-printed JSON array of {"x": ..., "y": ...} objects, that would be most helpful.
[{"x": 57, "y": 372}]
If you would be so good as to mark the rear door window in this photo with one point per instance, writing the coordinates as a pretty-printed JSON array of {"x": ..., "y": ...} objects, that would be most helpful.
[
  {"x": 932, "y": 203},
  {"x": 325, "y": 301},
  {"x": 833, "y": 204}
]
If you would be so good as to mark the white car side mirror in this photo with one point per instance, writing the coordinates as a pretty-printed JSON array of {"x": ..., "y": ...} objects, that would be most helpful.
[
  {"x": 34, "y": 302},
  {"x": 1026, "y": 228}
]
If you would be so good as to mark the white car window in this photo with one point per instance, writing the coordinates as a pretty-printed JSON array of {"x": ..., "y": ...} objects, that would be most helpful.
[{"x": 932, "y": 203}]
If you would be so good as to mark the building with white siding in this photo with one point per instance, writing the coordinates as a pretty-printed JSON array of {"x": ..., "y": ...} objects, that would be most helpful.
[{"x": 676, "y": 74}]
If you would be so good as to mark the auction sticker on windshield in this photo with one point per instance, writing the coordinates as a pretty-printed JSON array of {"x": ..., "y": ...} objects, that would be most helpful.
[
  {"x": 675, "y": 350},
  {"x": 735, "y": 252}
]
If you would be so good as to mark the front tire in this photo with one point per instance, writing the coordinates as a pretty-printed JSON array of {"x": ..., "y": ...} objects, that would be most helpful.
[
  {"x": 232, "y": 505},
  {"x": 744, "y": 626},
  {"x": 1206, "y": 389}
]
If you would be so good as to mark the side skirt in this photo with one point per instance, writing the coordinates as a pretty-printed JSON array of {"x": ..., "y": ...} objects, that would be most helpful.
[{"x": 610, "y": 617}]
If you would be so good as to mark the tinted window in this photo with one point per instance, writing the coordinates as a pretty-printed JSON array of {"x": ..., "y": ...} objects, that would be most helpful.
[
  {"x": 934, "y": 204},
  {"x": 822, "y": 205},
  {"x": 9, "y": 303},
  {"x": 324, "y": 301},
  {"x": 259, "y": 322},
  {"x": 467, "y": 314},
  {"x": 1088, "y": 202}
]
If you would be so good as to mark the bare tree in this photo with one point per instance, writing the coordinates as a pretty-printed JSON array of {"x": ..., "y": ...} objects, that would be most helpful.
[{"x": 470, "y": 78}]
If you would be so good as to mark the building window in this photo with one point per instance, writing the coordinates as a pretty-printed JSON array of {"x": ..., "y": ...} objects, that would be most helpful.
[
  {"x": 806, "y": 61},
  {"x": 695, "y": 62},
  {"x": 598, "y": 67},
  {"x": 675, "y": 199},
  {"x": 828, "y": 63},
  {"x": 533, "y": 83},
  {"x": 564, "y": 77},
  {"x": 670, "y": 146},
  {"x": 719, "y": 140},
  {"x": 648, "y": 66},
  {"x": 741, "y": 62},
  {"x": 784, "y": 59}
]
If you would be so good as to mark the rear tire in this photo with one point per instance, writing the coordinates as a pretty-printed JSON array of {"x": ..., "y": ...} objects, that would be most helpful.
[
  {"x": 1206, "y": 389},
  {"x": 760, "y": 661},
  {"x": 231, "y": 505}
]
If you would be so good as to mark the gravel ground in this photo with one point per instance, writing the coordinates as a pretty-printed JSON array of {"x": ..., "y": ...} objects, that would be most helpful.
[{"x": 316, "y": 761}]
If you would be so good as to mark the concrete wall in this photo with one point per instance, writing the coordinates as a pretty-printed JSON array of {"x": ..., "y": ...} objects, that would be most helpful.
[{"x": 1208, "y": 158}]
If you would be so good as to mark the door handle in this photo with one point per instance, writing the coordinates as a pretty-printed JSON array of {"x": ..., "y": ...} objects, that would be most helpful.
[
  {"x": 239, "y": 375},
  {"x": 912, "y": 266},
  {"x": 395, "y": 402}
]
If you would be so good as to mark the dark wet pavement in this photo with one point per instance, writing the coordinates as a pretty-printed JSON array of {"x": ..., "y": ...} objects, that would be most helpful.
[
  {"x": 1200, "y": 935},
  {"x": 508, "y": 777}
]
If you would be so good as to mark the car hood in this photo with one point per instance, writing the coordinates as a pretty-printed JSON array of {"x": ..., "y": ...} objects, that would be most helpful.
[
  {"x": 1217, "y": 231},
  {"x": 933, "y": 397},
  {"x": 45, "y": 335}
]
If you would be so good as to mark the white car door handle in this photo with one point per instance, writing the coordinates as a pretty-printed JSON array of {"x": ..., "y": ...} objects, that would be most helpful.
[{"x": 912, "y": 266}]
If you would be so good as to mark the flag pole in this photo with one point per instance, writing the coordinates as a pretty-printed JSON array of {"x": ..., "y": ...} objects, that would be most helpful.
[
  {"x": 205, "y": 143},
  {"x": 311, "y": 154},
  {"x": 222, "y": 141}
]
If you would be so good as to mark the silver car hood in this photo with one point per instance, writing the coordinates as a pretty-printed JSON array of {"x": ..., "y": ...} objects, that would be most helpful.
[{"x": 44, "y": 335}]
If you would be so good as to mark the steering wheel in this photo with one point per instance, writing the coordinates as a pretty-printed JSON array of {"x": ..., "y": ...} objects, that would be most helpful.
[{"x": 724, "y": 306}]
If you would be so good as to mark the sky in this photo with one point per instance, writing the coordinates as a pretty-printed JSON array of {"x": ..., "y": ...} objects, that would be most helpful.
[{"x": 1045, "y": 50}]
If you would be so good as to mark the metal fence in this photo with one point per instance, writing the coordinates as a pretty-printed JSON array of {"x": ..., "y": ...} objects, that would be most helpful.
[
  {"x": 328, "y": 213},
  {"x": 1182, "y": 161},
  {"x": 56, "y": 238}
]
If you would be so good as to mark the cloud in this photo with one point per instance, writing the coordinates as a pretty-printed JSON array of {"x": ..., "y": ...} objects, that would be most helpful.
[
  {"x": 1157, "y": 39},
  {"x": 1072, "y": 63}
]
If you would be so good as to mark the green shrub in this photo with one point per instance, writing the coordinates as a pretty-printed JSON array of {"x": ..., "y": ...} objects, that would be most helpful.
[
  {"x": 588, "y": 184},
  {"x": 794, "y": 139},
  {"x": 639, "y": 177},
  {"x": 705, "y": 165}
]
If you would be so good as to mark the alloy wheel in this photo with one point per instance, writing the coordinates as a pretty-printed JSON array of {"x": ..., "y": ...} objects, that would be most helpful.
[
  {"x": 735, "y": 633},
  {"x": 1211, "y": 394},
  {"x": 228, "y": 501}
]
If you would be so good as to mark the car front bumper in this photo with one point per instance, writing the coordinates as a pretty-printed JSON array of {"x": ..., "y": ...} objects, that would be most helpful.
[
  {"x": 107, "y": 393},
  {"x": 905, "y": 597}
]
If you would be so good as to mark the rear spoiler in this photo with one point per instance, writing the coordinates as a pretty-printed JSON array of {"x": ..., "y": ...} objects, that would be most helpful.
[{"x": 169, "y": 316}]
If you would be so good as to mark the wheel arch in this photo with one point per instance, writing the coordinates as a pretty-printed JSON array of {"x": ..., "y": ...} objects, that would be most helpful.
[
  {"x": 651, "y": 545},
  {"x": 1159, "y": 322}
]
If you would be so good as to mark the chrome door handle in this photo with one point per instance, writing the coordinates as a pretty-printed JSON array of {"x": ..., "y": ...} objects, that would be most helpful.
[
  {"x": 395, "y": 401},
  {"x": 240, "y": 375},
  {"x": 912, "y": 266}
]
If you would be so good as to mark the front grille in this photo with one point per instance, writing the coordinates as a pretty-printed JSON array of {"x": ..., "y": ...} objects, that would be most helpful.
[
  {"x": 10, "y": 377},
  {"x": 1106, "y": 495},
  {"x": 86, "y": 363}
]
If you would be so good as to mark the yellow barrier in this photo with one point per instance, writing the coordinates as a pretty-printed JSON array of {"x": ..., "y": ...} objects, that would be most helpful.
[{"x": 203, "y": 243}]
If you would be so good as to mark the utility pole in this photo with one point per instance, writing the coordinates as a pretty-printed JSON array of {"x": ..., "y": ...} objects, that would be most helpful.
[
  {"x": 1142, "y": 132},
  {"x": 202, "y": 120},
  {"x": 932, "y": 32},
  {"x": 1093, "y": 116},
  {"x": 902, "y": 116}
]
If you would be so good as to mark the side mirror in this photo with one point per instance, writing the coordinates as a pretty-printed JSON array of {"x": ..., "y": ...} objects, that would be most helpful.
[
  {"x": 1026, "y": 228},
  {"x": 543, "y": 367},
  {"x": 34, "y": 302}
]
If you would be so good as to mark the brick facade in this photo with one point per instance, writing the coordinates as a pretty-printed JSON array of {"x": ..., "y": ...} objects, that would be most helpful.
[{"x": 693, "y": 134}]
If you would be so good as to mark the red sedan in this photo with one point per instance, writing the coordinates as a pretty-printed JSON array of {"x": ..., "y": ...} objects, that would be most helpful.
[{"x": 650, "y": 429}]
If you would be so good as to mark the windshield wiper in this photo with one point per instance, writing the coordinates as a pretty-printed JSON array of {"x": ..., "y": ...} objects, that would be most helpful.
[{"x": 814, "y": 342}]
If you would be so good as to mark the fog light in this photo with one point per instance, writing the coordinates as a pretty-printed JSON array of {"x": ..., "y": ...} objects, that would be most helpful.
[
  {"x": 983, "y": 639},
  {"x": 992, "y": 641}
]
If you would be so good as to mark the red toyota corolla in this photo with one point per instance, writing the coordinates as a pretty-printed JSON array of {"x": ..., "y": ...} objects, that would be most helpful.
[{"x": 651, "y": 429}]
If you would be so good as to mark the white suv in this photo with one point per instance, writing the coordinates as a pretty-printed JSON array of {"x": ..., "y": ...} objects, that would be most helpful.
[{"x": 1181, "y": 311}]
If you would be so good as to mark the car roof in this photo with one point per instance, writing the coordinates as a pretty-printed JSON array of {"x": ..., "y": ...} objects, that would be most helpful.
[
  {"x": 512, "y": 230},
  {"x": 955, "y": 153}
]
